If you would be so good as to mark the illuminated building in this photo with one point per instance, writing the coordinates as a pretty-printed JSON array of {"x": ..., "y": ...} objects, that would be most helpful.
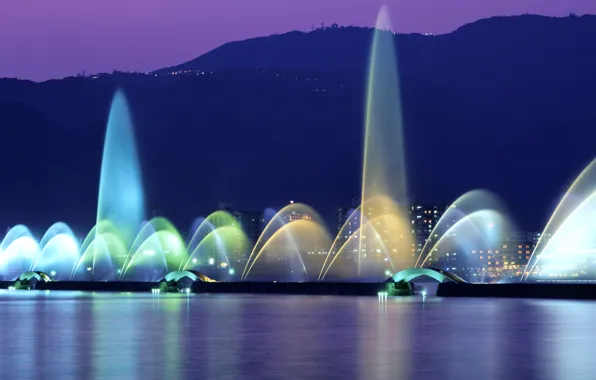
[
  {"x": 424, "y": 219},
  {"x": 507, "y": 259},
  {"x": 341, "y": 217},
  {"x": 293, "y": 216}
]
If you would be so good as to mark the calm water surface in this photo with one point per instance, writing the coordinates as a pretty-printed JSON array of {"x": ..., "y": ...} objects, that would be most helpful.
[{"x": 64, "y": 335}]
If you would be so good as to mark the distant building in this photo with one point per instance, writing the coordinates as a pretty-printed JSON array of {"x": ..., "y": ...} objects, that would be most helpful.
[
  {"x": 341, "y": 217},
  {"x": 252, "y": 223},
  {"x": 506, "y": 259},
  {"x": 424, "y": 219},
  {"x": 295, "y": 215}
]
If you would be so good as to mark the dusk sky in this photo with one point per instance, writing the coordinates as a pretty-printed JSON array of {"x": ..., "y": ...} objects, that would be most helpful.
[{"x": 42, "y": 39}]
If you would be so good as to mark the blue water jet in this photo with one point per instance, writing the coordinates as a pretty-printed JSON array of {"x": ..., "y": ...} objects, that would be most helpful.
[{"x": 121, "y": 198}]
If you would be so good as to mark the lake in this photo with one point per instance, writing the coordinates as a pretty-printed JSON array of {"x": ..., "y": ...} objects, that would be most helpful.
[{"x": 75, "y": 335}]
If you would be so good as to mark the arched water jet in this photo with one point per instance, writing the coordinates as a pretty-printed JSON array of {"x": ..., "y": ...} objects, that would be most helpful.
[
  {"x": 58, "y": 228},
  {"x": 209, "y": 224},
  {"x": 117, "y": 256},
  {"x": 102, "y": 259},
  {"x": 194, "y": 226},
  {"x": 571, "y": 249},
  {"x": 472, "y": 201},
  {"x": 213, "y": 252},
  {"x": 18, "y": 255},
  {"x": 104, "y": 226},
  {"x": 159, "y": 245},
  {"x": 377, "y": 240},
  {"x": 386, "y": 222},
  {"x": 580, "y": 190},
  {"x": 384, "y": 167},
  {"x": 58, "y": 257},
  {"x": 121, "y": 199},
  {"x": 294, "y": 257},
  {"x": 18, "y": 250},
  {"x": 346, "y": 234},
  {"x": 149, "y": 262},
  {"x": 148, "y": 229},
  {"x": 291, "y": 212},
  {"x": 15, "y": 233},
  {"x": 479, "y": 230}
]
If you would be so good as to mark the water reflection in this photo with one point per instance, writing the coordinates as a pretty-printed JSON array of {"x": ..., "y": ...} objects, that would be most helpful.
[
  {"x": 132, "y": 336},
  {"x": 114, "y": 327},
  {"x": 568, "y": 348},
  {"x": 384, "y": 339},
  {"x": 513, "y": 358}
]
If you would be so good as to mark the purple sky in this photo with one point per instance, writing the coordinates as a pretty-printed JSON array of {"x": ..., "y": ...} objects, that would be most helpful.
[{"x": 41, "y": 39}]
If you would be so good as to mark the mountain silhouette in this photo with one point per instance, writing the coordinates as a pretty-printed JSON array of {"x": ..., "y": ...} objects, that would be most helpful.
[
  {"x": 345, "y": 49},
  {"x": 505, "y": 103}
]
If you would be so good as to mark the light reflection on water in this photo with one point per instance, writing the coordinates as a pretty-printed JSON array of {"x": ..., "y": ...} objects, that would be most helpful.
[{"x": 70, "y": 335}]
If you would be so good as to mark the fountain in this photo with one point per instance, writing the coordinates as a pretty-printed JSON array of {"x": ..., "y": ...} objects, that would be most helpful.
[
  {"x": 120, "y": 189},
  {"x": 377, "y": 240},
  {"x": 475, "y": 223},
  {"x": 292, "y": 244},
  {"x": 566, "y": 249},
  {"x": 157, "y": 250},
  {"x": 17, "y": 252},
  {"x": 217, "y": 245},
  {"x": 383, "y": 239}
]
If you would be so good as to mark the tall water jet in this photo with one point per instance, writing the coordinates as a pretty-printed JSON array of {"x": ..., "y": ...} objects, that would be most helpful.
[
  {"x": 121, "y": 199},
  {"x": 384, "y": 168},
  {"x": 566, "y": 248}
]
